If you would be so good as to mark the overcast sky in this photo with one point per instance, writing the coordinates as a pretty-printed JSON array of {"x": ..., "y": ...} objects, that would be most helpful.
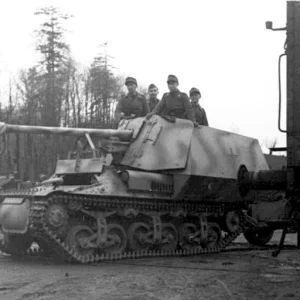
[{"x": 220, "y": 47}]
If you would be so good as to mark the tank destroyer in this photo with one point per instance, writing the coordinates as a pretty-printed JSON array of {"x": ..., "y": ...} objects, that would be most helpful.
[{"x": 149, "y": 188}]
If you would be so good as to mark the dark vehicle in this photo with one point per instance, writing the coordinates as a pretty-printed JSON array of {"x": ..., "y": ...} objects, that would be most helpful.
[
  {"x": 151, "y": 187},
  {"x": 282, "y": 209}
]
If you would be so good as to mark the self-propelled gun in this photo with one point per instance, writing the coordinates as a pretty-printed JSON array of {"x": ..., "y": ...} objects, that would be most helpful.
[{"x": 149, "y": 188}]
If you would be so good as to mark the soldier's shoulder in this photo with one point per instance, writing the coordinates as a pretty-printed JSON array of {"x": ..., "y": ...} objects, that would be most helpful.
[
  {"x": 165, "y": 95},
  {"x": 121, "y": 98},
  {"x": 141, "y": 96},
  {"x": 183, "y": 96}
]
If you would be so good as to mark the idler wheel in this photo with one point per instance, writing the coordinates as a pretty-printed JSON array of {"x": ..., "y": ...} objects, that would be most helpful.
[
  {"x": 78, "y": 240},
  {"x": 169, "y": 239},
  {"x": 140, "y": 237},
  {"x": 186, "y": 233},
  {"x": 258, "y": 237},
  {"x": 232, "y": 221},
  {"x": 214, "y": 235},
  {"x": 116, "y": 239}
]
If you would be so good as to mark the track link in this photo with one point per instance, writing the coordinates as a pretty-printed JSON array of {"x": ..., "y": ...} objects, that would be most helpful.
[{"x": 40, "y": 228}]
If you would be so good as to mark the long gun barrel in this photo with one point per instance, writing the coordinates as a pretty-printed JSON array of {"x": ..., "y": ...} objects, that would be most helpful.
[{"x": 124, "y": 135}]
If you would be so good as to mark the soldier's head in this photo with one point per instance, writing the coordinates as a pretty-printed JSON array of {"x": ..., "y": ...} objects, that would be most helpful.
[
  {"x": 195, "y": 95},
  {"x": 172, "y": 83},
  {"x": 152, "y": 91},
  {"x": 131, "y": 85}
]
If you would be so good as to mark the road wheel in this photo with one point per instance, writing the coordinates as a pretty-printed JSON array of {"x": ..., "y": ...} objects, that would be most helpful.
[
  {"x": 169, "y": 237},
  {"x": 232, "y": 221},
  {"x": 186, "y": 234},
  {"x": 75, "y": 240},
  {"x": 140, "y": 237},
  {"x": 214, "y": 235},
  {"x": 116, "y": 239},
  {"x": 258, "y": 237}
]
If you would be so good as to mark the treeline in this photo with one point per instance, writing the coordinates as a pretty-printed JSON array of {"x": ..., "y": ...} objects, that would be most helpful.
[{"x": 55, "y": 92}]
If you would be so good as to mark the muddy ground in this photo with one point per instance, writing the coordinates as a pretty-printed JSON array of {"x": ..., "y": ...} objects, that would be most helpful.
[{"x": 229, "y": 275}]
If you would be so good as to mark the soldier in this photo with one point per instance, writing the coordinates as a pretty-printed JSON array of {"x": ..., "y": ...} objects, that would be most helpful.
[
  {"x": 174, "y": 103},
  {"x": 152, "y": 91},
  {"x": 200, "y": 114},
  {"x": 133, "y": 104}
]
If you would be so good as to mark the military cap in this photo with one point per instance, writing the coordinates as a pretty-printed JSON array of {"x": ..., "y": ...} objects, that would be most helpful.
[
  {"x": 194, "y": 90},
  {"x": 130, "y": 80},
  {"x": 172, "y": 78},
  {"x": 152, "y": 86}
]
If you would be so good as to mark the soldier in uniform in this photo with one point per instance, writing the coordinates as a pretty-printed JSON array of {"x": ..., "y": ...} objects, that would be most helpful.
[
  {"x": 200, "y": 114},
  {"x": 174, "y": 103},
  {"x": 152, "y": 91},
  {"x": 133, "y": 104}
]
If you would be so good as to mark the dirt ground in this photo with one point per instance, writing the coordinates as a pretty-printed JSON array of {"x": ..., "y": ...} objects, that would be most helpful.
[{"x": 229, "y": 275}]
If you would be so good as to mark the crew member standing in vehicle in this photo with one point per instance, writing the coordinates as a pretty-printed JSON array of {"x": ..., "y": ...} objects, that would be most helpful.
[
  {"x": 200, "y": 114},
  {"x": 133, "y": 104},
  {"x": 174, "y": 103},
  {"x": 152, "y": 91}
]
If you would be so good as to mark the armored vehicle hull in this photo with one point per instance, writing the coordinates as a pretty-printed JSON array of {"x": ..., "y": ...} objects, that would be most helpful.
[{"x": 155, "y": 188}]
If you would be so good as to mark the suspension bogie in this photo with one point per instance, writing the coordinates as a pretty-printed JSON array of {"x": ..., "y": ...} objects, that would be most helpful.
[
  {"x": 98, "y": 229},
  {"x": 93, "y": 230}
]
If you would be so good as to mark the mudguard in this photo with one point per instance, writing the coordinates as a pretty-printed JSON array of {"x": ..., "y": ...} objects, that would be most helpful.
[{"x": 14, "y": 215}]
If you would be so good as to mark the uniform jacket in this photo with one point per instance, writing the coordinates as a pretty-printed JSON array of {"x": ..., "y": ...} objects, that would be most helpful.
[
  {"x": 132, "y": 104},
  {"x": 152, "y": 103},
  {"x": 175, "y": 104},
  {"x": 200, "y": 114}
]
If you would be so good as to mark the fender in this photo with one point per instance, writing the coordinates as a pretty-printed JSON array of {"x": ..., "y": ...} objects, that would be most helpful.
[{"x": 14, "y": 215}]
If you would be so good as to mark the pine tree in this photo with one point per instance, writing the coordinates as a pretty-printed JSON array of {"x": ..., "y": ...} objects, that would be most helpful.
[{"x": 55, "y": 55}]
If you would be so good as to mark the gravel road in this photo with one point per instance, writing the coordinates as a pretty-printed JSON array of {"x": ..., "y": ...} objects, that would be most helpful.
[{"x": 230, "y": 275}]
